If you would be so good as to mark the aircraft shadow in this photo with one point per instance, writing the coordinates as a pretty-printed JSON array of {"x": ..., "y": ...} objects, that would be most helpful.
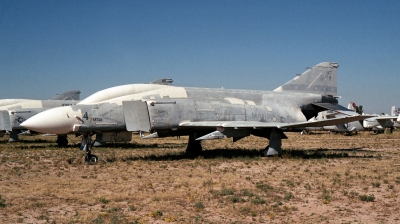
[
  {"x": 27, "y": 141},
  {"x": 255, "y": 154}
]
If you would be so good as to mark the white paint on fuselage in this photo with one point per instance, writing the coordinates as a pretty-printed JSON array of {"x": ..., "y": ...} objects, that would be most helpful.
[
  {"x": 164, "y": 91},
  {"x": 6, "y": 102},
  {"x": 60, "y": 120},
  {"x": 23, "y": 105},
  {"x": 121, "y": 91}
]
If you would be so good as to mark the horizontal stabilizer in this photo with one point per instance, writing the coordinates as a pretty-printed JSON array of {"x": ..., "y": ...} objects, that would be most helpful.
[
  {"x": 327, "y": 122},
  {"x": 336, "y": 107}
]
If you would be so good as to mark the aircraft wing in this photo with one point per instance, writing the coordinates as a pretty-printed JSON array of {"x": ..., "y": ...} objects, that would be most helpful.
[
  {"x": 261, "y": 125},
  {"x": 385, "y": 118}
]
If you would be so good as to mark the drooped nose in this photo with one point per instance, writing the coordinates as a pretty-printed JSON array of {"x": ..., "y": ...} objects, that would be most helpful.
[{"x": 59, "y": 120}]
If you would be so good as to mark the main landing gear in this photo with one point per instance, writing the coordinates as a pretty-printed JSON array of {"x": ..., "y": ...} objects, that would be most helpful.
[
  {"x": 275, "y": 143},
  {"x": 274, "y": 148},
  {"x": 86, "y": 145},
  {"x": 194, "y": 146},
  {"x": 62, "y": 141}
]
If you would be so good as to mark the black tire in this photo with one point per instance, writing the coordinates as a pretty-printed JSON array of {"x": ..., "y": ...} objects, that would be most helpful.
[
  {"x": 62, "y": 141},
  {"x": 91, "y": 159}
]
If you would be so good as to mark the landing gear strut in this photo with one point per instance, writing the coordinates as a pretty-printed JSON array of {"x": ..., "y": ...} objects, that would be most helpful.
[
  {"x": 13, "y": 137},
  {"x": 86, "y": 145},
  {"x": 62, "y": 140},
  {"x": 275, "y": 143},
  {"x": 193, "y": 147}
]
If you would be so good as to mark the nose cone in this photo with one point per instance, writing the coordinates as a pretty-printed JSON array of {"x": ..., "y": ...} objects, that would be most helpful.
[{"x": 60, "y": 120}]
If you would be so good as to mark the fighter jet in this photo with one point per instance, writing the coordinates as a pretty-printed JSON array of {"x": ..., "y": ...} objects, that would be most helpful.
[
  {"x": 379, "y": 123},
  {"x": 15, "y": 111},
  {"x": 376, "y": 123},
  {"x": 200, "y": 113}
]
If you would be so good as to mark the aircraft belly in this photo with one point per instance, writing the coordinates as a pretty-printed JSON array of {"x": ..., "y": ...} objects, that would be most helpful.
[{"x": 95, "y": 128}]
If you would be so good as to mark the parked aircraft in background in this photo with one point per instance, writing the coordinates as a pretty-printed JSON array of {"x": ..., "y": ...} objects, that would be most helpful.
[
  {"x": 396, "y": 113},
  {"x": 15, "y": 111},
  {"x": 379, "y": 123},
  {"x": 376, "y": 123},
  {"x": 201, "y": 113}
]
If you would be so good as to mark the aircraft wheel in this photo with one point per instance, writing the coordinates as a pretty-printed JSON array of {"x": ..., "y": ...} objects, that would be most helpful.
[
  {"x": 62, "y": 141},
  {"x": 91, "y": 159}
]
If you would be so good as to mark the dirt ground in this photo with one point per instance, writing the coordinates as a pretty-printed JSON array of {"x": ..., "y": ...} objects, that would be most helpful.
[{"x": 321, "y": 178}]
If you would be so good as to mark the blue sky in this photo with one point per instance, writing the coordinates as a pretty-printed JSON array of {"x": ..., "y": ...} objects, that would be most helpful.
[{"x": 48, "y": 47}]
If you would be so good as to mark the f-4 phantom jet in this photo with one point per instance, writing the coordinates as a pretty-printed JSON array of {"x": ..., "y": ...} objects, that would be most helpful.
[
  {"x": 200, "y": 113},
  {"x": 15, "y": 111}
]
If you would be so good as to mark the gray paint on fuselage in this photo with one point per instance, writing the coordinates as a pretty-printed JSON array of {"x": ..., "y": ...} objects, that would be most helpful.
[{"x": 209, "y": 104}]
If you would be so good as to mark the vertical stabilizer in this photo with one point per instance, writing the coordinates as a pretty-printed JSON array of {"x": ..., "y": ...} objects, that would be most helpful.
[
  {"x": 352, "y": 106},
  {"x": 70, "y": 95},
  {"x": 395, "y": 111},
  {"x": 320, "y": 79}
]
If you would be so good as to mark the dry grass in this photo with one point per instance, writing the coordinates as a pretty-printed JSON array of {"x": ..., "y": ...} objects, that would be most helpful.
[{"x": 320, "y": 178}]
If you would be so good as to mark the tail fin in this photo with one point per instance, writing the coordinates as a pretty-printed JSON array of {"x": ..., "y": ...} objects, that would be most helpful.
[
  {"x": 320, "y": 79},
  {"x": 352, "y": 106},
  {"x": 395, "y": 111},
  {"x": 70, "y": 95}
]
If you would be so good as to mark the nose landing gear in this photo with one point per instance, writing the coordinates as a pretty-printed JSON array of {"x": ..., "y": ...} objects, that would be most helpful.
[{"x": 86, "y": 145}]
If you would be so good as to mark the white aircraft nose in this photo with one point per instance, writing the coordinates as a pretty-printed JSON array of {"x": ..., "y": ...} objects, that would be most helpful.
[{"x": 59, "y": 120}]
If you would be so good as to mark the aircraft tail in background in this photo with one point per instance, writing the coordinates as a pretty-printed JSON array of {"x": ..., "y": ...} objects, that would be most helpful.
[
  {"x": 69, "y": 95},
  {"x": 395, "y": 111},
  {"x": 352, "y": 106}
]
